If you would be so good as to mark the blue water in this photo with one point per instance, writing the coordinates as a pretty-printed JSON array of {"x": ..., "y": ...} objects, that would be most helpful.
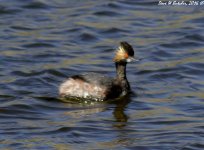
[{"x": 43, "y": 42}]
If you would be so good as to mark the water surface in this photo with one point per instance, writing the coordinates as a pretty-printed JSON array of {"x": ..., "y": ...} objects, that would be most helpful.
[{"x": 43, "y": 42}]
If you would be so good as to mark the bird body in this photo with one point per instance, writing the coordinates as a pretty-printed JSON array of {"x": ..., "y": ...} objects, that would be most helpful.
[{"x": 98, "y": 87}]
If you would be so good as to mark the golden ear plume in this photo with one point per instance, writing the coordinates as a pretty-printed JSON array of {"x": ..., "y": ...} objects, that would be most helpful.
[{"x": 120, "y": 54}]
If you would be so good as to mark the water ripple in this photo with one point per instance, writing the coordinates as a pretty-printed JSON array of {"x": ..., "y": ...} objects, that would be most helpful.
[
  {"x": 87, "y": 37},
  {"x": 34, "y": 45},
  {"x": 7, "y": 11},
  {"x": 107, "y": 13},
  {"x": 36, "y": 5}
]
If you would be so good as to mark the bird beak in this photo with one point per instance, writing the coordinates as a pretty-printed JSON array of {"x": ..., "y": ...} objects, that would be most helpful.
[{"x": 130, "y": 59}]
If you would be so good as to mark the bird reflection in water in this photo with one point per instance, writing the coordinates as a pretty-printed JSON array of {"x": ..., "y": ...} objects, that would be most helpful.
[
  {"x": 119, "y": 112},
  {"x": 82, "y": 110}
]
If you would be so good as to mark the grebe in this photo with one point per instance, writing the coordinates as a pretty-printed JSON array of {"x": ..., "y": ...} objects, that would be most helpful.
[{"x": 98, "y": 87}]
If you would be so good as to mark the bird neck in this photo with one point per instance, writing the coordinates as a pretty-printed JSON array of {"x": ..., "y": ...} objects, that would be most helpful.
[
  {"x": 121, "y": 77},
  {"x": 121, "y": 70}
]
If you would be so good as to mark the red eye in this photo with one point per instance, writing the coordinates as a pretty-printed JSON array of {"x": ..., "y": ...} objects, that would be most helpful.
[{"x": 126, "y": 55}]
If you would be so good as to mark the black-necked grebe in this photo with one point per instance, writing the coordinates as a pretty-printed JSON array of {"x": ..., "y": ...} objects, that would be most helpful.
[{"x": 95, "y": 86}]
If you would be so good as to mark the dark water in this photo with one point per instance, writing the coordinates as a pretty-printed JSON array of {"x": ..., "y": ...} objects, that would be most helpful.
[{"x": 44, "y": 41}]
